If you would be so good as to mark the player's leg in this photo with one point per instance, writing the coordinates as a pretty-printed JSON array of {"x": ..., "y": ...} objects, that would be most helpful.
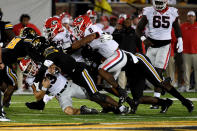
[
  {"x": 110, "y": 69},
  {"x": 154, "y": 78},
  {"x": 65, "y": 100},
  {"x": 11, "y": 81},
  {"x": 84, "y": 79},
  {"x": 151, "y": 54},
  {"x": 2, "y": 113},
  {"x": 137, "y": 85}
]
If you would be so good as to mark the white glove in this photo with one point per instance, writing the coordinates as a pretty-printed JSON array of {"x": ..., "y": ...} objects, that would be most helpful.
[
  {"x": 1, "y": 44},
  {"x": 179, "y": 45},
  {"x": 105, "y": 37},
  {"x": 48, "y": 63},
  {"x": 47, "y": 98}
]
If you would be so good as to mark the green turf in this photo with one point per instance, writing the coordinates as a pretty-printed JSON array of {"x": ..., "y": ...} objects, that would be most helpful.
[{"x": 53, "y": 113}]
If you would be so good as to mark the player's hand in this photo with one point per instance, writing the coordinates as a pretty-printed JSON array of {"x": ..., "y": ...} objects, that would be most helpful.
[
  {"x": 46, "y": 83},
  {"x": 147, "y": 42},
  {"x": 179, "y": 45},
  {"x": 2, "y": 66},
  {"x": 105, "y": 37}
]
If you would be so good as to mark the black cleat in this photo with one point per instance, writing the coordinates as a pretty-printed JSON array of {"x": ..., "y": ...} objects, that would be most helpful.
[
  {"x": 134, "y": 107},
  {"x": 167, "y": 104},
  {"x": 85, "y": 110},
  {"x": 39, "y": 105},
  {"x": 189, "y": 105},
  {"x": 105, "y": 110},
  {"x": 123, "y": 95}
]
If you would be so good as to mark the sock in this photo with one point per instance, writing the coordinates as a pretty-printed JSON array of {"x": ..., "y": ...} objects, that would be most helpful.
[{"x": 176, "y": 94}]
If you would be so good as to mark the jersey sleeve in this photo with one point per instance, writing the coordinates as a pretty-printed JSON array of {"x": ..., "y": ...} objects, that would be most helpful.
[
  {"x": 93, "y": 29},
  {"x": 145, "y": 11},
  {"x": 175, "y": 12}
]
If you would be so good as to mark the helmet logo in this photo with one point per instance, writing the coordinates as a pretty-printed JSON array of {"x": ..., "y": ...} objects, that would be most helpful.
[
  {"x": 54, "y": 22},
  {"x": 80, "y": 19}
]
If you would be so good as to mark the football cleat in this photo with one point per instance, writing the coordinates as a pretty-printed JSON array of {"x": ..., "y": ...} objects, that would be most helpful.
[
  {"x": 134, "y": 107},
  {"x": 4, "y": 118},
  {"x": 39, "y": 105},
  {"x": 166, "y": 105},
  {"x": 189, "y": 105},
  {"x": 85, "y": 110}
]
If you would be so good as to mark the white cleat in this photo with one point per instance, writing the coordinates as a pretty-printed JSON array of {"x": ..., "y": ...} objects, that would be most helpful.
[{"x": 4, "y": 119}]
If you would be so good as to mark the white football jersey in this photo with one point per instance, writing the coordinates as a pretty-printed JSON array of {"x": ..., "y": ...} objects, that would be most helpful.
[
  {"x": 58, "y": 81},
  {"x": 62, "y": 39},
  {"x": 109, "y": 30},
  {"x": 160, "y": 24},
  {"x": 106, "y": 49}
]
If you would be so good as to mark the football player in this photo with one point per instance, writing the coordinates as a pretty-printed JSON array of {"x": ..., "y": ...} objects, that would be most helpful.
[
  {"x": 113, "y": 58},
  {"x": 16, "y": 48},
  {"x": 75, "y": 70},
  {"x": 92, "y": 15},
  {"x": 57, "y": 85},
  {"x": 159, "y": 20},
  {"x": 6, "y": 34},
  {"x": 139, "y": 68},
  {"x": 53, "y": 26}
]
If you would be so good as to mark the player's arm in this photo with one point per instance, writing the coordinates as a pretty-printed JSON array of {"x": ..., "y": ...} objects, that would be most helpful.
[
  {"x": 85, "y": 40},
  {"x": 177, "y": 28},
  {"x": 45, "y": 85},
  {"x": 141, "y": 26},
  {"x": 1, "y": 62},
  {"x": 10, "y": 34},
  {"x": 140, "y": 30},
  {"x": 177, "y": 31}
]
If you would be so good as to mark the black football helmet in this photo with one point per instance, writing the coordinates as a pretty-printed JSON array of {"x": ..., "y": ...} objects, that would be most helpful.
[
  {"x": 40, "y": 44},
  {"x": 28, "y": 33}
]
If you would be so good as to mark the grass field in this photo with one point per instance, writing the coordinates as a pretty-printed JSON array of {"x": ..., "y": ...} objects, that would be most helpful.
[{"x": 52, "y": 113}]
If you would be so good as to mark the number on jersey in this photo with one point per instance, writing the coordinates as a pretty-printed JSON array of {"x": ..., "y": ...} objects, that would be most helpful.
[
  {"x": 161, "y": 21},
  {"x": 90, "y": 30},
  {"x": 52, "y": 78}
]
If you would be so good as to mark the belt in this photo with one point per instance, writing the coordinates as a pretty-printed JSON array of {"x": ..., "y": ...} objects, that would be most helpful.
[{"x": 58, "y": 94}]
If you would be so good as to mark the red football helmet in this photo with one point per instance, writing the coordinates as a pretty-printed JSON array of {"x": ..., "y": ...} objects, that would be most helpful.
[
  {"x": 92, "y": 15},
  {"x": 28, "y": 67},
  {"x": 80, "y": 24},
  {"x": 52, "y": 27},
  {"x": 66, "y": 18}
]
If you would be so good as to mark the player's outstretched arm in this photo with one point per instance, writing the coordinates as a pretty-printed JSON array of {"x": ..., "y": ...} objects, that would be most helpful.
[
  {"x": 85, "y": 40},
  {"x": 140, "y": 31},
  {"x": 141, "y": 26},
  {"x": 177, "y": 28},
  {"x": 178, "y": 34}
]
